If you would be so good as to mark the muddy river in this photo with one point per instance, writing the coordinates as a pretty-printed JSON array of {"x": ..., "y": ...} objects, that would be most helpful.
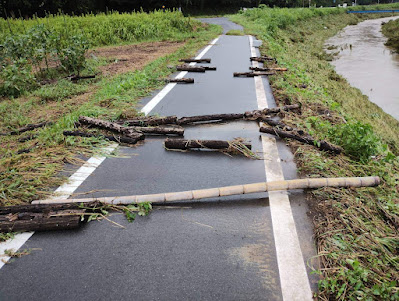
[{"x": 367, "y": 63}]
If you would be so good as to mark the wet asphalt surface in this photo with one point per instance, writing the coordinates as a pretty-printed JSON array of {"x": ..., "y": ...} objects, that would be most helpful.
[{"x": 210, "y": 250}]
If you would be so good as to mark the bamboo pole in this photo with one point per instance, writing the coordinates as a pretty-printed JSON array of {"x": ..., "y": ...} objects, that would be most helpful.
[{"x": 228, "y": 191}]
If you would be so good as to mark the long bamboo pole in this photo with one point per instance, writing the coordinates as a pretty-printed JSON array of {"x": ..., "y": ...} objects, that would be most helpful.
[{"x": 228, "y": 191}]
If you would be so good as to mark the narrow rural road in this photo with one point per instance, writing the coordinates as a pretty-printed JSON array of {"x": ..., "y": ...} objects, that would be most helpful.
[{"x": 236, "y": 248}]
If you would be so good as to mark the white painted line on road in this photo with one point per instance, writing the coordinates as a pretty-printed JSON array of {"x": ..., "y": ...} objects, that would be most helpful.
[
  {"x": 153, "y": 102},
  {"x": 294, "y": 279},
  {"x": 74, "y": 181}
]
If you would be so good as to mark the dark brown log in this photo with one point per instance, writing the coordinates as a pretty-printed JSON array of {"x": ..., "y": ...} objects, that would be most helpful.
[
  {"x": 29, "y": 221},
  {"x": 276, "y": 123},
  {"x": 195, "y": 60},
  {"x": 112, "y": 126},
  {"x": 190, "y": 68},
  {"x": 252, "y": 74},
  {"x": 208, "y": 68},
  {"x": 149, "y": 121},
  {"x": 251, "y": 115},
  {"x": 119, "y": 139},
  {"x": 205, "y": 118},
  {"x": 267, "y": 69},
  {"x": 161, "y": 130},
  {"x": 262, "y": 59},
  {"x": 27, "y": 138},
  {"x": 29, "y": 127},
  {"x": 190, "y": 144},
  {"x": 76, "y": 78},
  {"x": 46, "y": 208},
  {"x": 322, "y": 145},
  {"x": 181, "y": 80}
]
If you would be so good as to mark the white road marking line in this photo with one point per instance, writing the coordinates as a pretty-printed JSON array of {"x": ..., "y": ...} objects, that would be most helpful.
[
  {"x": 74, "y": 181},
  {"x": 292, "y": 270},
  {"x": 152, "y": 104}
]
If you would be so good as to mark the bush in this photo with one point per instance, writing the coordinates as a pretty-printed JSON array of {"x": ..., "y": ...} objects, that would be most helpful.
[
  {"x": 357, "y": 139},
  {"x": 16, "y": 78}
]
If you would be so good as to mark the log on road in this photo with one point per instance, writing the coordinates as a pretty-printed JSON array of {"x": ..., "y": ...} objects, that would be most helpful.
[
  {"x": 262, "y": 59},
  {"x": 32, "y": 221},
  {"x": 149, "y": 121},
  {"x": 119, "y": 139},
  {"x": 161, "y": 130},
  {"x": 267, "y": 69},
  {"x": 251, "y": 115},
  {"x": 46, "y": 208},
  {"x": 190, "y": 68},
  {"x": 321, "y": 144},
  {"x": 181, "y": 80},
  {"x": 193, "y": 144},
  {"x": 252, "y": 74},
  {"x": 112, "y": 126},
  {"x": 195, "y": 60}
]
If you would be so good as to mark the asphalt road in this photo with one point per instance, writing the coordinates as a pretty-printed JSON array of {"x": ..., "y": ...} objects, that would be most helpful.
[{"x": 211, "y": 250}]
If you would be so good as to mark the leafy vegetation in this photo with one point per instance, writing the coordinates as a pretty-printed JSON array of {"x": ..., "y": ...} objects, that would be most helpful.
[
  {"x": 356, "y": 230},
  {"x": 391, "y": 31}
]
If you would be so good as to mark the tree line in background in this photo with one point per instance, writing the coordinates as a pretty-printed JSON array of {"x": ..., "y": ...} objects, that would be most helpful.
[{"x": 27, "y": 8}]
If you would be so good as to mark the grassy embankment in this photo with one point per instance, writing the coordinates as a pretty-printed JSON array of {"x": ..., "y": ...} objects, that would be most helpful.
[
  {"x": 29, "y": 175},
  {"x": 356, "y": 230},
  {"x": 391, "y": 31}
]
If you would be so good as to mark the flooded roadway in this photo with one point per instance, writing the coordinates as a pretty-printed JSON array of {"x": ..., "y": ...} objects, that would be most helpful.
[{"x": 367, "y": 63}]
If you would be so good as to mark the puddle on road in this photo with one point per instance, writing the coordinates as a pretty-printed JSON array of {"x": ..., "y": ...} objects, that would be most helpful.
[{"x": 367, "y": 63}]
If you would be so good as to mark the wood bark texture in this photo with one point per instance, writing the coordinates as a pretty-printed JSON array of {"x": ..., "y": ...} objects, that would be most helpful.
[
  {"x": 119, "y": 139},
  {"x": 190, "y": 68},
  {"x": 181, "y": 80},
  {"x": 195, "y": 60},
  {"x": 267, "y": 69},
  {"x": 190, "y": 144},
  {"x": 252, "y": 74},
  {"x": 149, "y": 121}
]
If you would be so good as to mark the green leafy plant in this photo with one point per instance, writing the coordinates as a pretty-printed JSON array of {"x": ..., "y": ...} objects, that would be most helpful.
[
  {"x": 71, "y": 53},
  {"x": 16, "y": 78}
]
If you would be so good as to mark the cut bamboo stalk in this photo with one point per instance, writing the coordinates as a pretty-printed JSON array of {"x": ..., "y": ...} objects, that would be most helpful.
[{"x": 228, "y": 191}]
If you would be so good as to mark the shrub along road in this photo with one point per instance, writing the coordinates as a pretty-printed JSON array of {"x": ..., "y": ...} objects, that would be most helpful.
[{"x": 213, "y": 250}]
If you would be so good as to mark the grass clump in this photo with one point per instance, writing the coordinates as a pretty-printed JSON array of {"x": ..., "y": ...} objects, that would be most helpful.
[
  {"x": 235, "y": 32},
  {"x": 391, "y": 31},
  {"x": 356, "y": 231}
]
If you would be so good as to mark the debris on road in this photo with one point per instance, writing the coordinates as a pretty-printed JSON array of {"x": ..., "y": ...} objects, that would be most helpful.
[
  {"x": 149, "y": 121},
  {"x": 268, "y": 69},
  {"x": 190, "y": 68},
  {"x": 252, "y": 74},
  {"x": 195, "y": 60},
  {"x": 262, "y": 59},
  {"x": 161, "y": 198},
  {"x": 181, "y": 80},
  {"x": 321, "y": 144},
  {"x": 119, "y": 139}
]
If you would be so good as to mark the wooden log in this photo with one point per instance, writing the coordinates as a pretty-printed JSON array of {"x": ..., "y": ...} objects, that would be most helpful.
[
  {"x": 190, "y": 144},
  {"x": 112, "y": 126},
  {"x": 149, "y": 121},
  {"x": 262, "y": 59},
  {"x": 190, "y": 68},
  {"x": 205, "y": 118},
  {"x": 161, "y": 130},
  {"x": 321, "y": 144},
  {"x": 276, "y": 123},
  {"x": 195, "y": 60},
  {"x": 119, "y": 139},
  {"x": 27, "y": 138},
  {"x": 251, "y": 115},
  {"x": 252, "y": 74},
  {"x": 267, "y": 69},
  {"x": 181, "y": 80},
  {"x": 207, "y": 68},
  {"x": 29, "y": 221},
  {"x": 45, "y": 208},
  {"x": 75, "y": 78},
  {"x": 29, "y": 127}
]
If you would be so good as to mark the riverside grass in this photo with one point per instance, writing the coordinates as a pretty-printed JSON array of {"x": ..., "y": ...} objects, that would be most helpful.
[
  {"x": 356, "y": 231},
  {"x": 391, "y": 31},
  {"x": 28, "y": 176}
]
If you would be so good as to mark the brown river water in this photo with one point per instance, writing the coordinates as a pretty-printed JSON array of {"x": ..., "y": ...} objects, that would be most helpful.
[{"x": 367, "y": 63}]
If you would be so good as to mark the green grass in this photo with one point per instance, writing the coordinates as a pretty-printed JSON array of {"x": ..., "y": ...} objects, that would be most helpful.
[
  {"x": 235, "y": 32},
  {"x": 391, "y": 31},
  {"x": 355, "y": 229}
]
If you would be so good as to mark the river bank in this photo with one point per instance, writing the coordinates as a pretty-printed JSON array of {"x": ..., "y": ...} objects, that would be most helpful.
[
  {"x": 355, "y": 230},
  {"x": 391, "y": 31},
  {"x": 360, "y": 49}
]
